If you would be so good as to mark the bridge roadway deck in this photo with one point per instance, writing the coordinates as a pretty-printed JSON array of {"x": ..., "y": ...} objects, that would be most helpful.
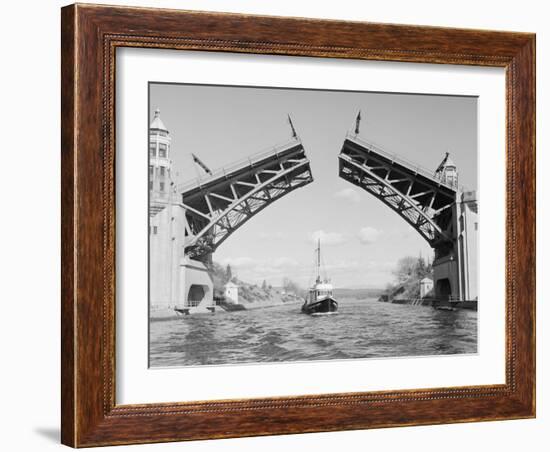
[
  {"x": 399, "y": 163},
  {"x": 241, "y": 168}
]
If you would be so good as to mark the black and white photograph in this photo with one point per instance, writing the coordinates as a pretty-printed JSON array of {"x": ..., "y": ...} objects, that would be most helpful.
[
  {"x": 301, "y": 225},
  {"x": 249, "y": 226}
]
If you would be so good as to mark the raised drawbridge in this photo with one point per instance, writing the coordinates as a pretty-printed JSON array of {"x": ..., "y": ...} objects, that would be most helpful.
[
  {"x": 432, "y": 202},
  {"x": 218, "y": 205}
]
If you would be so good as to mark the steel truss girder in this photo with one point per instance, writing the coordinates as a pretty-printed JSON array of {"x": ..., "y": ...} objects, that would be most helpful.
[
  {"x": 411, "y": 210},
  {"x": 223, "y": 222}
]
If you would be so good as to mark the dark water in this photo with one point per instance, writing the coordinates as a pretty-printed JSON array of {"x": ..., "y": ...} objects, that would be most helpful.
[{"x": 362, "y": 329}]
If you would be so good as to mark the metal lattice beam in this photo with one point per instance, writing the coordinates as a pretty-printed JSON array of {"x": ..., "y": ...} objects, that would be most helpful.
[
  {"x": 415, "y": 195},
  {"x": 219, "y": 206}
]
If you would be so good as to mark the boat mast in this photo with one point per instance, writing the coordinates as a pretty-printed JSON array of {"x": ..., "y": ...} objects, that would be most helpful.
[{"x": 319, "y": 259}]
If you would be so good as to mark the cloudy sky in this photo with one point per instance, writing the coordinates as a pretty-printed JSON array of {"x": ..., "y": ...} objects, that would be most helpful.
[{"x": 362, "y": 238}]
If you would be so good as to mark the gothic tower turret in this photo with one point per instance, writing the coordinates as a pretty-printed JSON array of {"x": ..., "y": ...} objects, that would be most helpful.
[
  {"x": 446, "y": 172},
  {"x": 160, "y": 165}
]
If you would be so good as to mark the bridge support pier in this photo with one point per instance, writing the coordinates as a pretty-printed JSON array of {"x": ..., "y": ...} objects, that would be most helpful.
[
  {"x": 175, "y": 279},
  {"x": 196, "y": 286},
  {"x": 455, "y": 264}
]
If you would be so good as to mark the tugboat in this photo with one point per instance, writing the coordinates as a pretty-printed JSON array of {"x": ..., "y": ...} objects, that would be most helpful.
[{"x": 319, "y": 300}]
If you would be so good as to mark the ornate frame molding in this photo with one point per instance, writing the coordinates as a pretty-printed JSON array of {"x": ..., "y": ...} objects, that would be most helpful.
[{"x": 90, "y": 36}]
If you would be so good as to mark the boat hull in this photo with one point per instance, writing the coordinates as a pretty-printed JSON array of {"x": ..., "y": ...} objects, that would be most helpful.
[
  {"x": 324, "y": 306},
  {"x": 231, "y": 307},
  {"x": 184, "y": 311}
]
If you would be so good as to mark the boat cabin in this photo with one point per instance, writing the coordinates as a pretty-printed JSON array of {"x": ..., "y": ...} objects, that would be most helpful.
[{"x": 319, "y": 291}]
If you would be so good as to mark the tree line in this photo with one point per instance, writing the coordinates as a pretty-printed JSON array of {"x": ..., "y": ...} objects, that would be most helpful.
[{"x": 408, "y": 273}]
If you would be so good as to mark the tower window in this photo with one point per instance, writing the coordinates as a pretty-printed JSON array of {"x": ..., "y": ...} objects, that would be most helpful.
[
  {"x": 150, "y": 185},
  {"x": 162, "y": 170},
  {"x": 162, "y": 186},
  {"x": 162, "y": 150},
  {"x": 150, "y": 170},
  {"x": 155, "y": 230}
]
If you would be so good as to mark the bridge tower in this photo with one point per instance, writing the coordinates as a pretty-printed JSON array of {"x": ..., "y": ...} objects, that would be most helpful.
[
  {"x": 175, "y": 280},
  {"x": 455, "y": 260}
]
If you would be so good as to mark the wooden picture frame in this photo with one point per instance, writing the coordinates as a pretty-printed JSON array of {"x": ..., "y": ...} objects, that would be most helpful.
[{"x": 90, "y": 35}]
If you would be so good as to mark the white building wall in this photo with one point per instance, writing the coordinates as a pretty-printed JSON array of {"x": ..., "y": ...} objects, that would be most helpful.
[
  {"x": 232, "y": 292},
  {"x": 469, "y": 248},
  {"x": 425, "y": 286},
  {"x": 171, "y": 274},
  {"x": 166, "y": 234}
]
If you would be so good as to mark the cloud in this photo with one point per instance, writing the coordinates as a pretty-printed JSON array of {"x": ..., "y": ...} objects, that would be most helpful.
[
  {"x": 281, "y": 262},
  {"x": 348, "y": 194},
  {"x": 368, "y": 235},
  {"x": 275, "y": 235},
  {"x": 240, "y": 262},
  {"x": 383, "y": 266},
  {"x": 328, "y": 238},
  {"x": 342, "y": 265},
  {"x": 260, "y": 265}
]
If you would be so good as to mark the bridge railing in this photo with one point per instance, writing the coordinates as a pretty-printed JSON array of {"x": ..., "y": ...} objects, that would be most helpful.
[
  {"x": 193, "y": 303},
  {"x": 236, "y": 165},
  {"x": 401, "y": 160}
]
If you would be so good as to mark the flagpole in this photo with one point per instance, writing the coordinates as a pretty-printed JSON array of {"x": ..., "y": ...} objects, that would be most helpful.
[
  {"x": 357, "y": 122},
  {"x": 196, "y": 169}
]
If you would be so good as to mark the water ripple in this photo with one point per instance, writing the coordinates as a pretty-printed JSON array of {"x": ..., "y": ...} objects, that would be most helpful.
[{"x": 362, "y": 329}]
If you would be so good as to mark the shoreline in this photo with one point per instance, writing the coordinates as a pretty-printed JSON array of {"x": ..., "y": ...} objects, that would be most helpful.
[{"x": 161, "y": 314}]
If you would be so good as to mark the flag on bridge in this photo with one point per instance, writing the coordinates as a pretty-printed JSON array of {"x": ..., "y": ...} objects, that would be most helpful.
[
  {"x": 199, "y": 162},
  {"x": 357, "y": 122},
  {"x": 294, "y": 134}
]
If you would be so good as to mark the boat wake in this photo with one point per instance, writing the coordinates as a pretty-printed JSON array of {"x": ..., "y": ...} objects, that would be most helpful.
[{"x": 321, "y": 314}]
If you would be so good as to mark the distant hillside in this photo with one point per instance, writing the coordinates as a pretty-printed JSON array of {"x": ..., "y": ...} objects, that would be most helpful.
[
  {"x": 248, "y": 293},
  {"x": 360, "y": 294},
  {"x": 265, "y": 293}
]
